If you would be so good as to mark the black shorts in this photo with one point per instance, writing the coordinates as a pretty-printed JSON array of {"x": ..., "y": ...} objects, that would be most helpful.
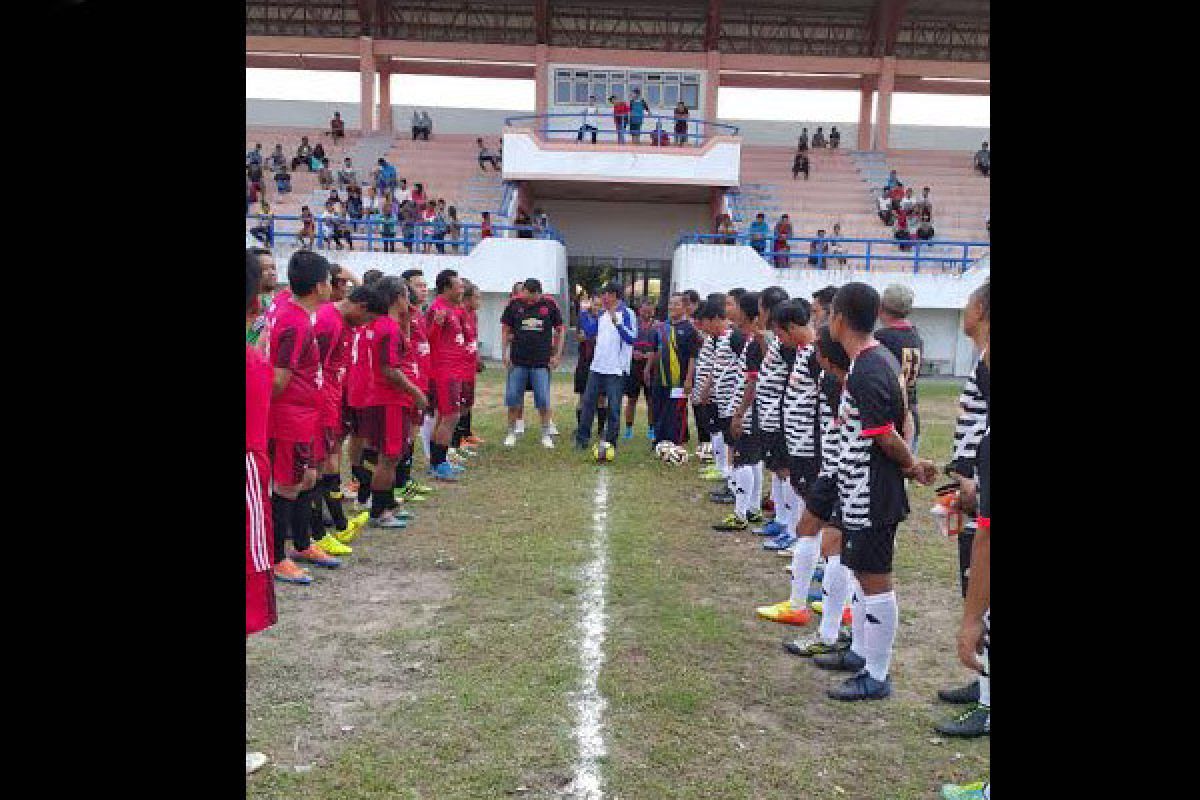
[
  {"x": 706, "y": 418},
  {"x": 635, "y": 383},
  {"x": 775, "y": 454},
  {"x": 869, "y": 549},
  {"x": 821, "y": 498},
  {"x": 721, "y": 425},
  {"x": 749, "y": 449},
  {"x": 802, "y": 472}
]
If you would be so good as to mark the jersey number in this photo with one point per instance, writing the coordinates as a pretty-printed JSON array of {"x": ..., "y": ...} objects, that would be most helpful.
[{"x": 910, "y": 366}]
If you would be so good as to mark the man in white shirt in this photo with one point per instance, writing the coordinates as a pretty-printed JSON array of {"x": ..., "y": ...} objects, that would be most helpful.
[
  {"x": 590, "y": 115},
  {"x": 615, "y": 327},
  {"x": 885, "y": 207}
]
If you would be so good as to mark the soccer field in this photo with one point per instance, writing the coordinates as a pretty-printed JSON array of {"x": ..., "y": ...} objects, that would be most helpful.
[{"x": 443, "y": 661}]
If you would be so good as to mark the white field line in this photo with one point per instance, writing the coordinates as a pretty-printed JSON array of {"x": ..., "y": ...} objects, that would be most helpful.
[{"x": 589, "y": 704}]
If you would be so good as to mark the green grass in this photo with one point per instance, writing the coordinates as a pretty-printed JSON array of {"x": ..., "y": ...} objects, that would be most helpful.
[{"x": 702, "y": 702}]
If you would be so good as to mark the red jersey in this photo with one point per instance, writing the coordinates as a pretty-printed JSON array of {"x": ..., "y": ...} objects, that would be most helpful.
[
  {"x": 282, "y": 296},
  {"x": 292, "y": 345},
  {"x": 359, "y": 370},
  {"x": 259, "y": 377},
  {"x": 449, "y": 356},
  {"x": 420, "y": 339},
  {"x": 329, "y": 330},
  {"x": 390, "y": 348},
  {"x": 620, "y": 109},
  {"x": 471, "y": 329}
]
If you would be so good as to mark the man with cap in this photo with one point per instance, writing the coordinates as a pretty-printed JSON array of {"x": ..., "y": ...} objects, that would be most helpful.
[
  {"x": 900, "y": 336},
  {"x": 614, "y": 329}
]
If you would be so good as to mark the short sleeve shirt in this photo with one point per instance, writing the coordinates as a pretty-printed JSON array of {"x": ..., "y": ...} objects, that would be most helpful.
[
  {"x": 532, "y": 326},
  {"x": 389, "y": 349},
  {"x": 905, "y": 344},
  {"x": 772, "y": 381},
  {"x": 420, "y": 341},
  {"x": 704, "y": 365},
  {"x": 328, "y": 329},
  {"x": 676, "y": 343},
  {"x": 752, "y": 359},
  {"x": 830, "y": 401},
  {"x": 449, "y": 356},
  {"x": 293, "y": 346},
  {"x": 259, "y": 379},
  {"x": 801, "y": 403}
]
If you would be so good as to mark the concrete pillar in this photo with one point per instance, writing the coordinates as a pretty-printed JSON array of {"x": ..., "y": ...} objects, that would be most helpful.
[
  {"x": 883, "y": 113},
  {"x": 712, "y": 81},
  {"x": 366, "y": 72},
  {"x": 541, "y": 79},
  {"x": 385, "y": 100},
  {"x": 866, "y": 95}
]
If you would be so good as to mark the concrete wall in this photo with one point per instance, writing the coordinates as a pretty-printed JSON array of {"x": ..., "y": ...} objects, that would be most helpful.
[
  {"x": 717, "y": 164},
  {"x": 632, "y": 230}
]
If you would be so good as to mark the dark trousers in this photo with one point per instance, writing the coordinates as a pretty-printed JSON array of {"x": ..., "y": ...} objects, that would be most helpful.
[
  {"x": 670, "y": 416},
  {"x": 583, "y": 129},
  {"x": 613, "y": 387},
  {"x": 703, "y": 434}
]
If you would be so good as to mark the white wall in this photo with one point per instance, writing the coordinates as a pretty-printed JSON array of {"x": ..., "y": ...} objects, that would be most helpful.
[
  {"x": 629, "y": 229},
  {"x": 717, "y": 165}
]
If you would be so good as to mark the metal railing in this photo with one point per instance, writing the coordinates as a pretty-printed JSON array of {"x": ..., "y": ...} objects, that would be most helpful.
[
  {"x": 606, "y": 128},
  {"x": 414, "y": 237},
  {"x": 924, "y": 255}
]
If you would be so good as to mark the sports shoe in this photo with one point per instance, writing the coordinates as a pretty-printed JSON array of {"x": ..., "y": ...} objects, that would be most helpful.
[
  {"x": 414, "y": 488},
  {"x": 552, "y": 429},
  {"x": 455, "y": 458},
  {"x": 315, "y": 555},
  {"x": 510, "y": 440},
  {"x": 444, "y": 472},
  {"x": 772, "y": 528},
  {"x": 975, "y": 721},
  {"x": 389, "y": 520},
  {"x": 841, "y": 661},
  {"x": 960, "y": 695},
  {"x": 519, "y": 427},
  {"x": 787, "y": 552},
  {"x": 354, "y": 526},
  {"x": 964, "y": 791},
  {"x": 731, "y": 523},
  {"x": 861, "y": 687},
  {"x": 712, "y": 474},
  {"x": 781, "y": 542},
  {"x": 330, "y": 545},
  {"x": 725, "y": 498},
  {"x": 288, "y": 572},
  {"x": 255, "y": 762},
  {"x": 811, "y": 645},
  {"x": 784, "y": 614},
  {"x": 628, "y": 432},
  {"x": 754, "y": 517},
  {"x": 469, "y": 452},
  {"x": 473, "y": 441}
]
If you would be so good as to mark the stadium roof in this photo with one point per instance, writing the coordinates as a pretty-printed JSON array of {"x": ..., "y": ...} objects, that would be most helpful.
[{"x": 931, "y": 30}]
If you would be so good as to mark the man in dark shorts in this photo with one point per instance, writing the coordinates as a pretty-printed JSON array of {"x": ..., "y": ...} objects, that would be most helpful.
[
  {"x": 901, "y": 338},
  {"x": 635, "y": 381},
  {"x": 727, "y": 354},
  {"x": 670, "y": 370},
  {"x": 745, "y": 480},
  {"x": 533, "y": 338},
  {"x": 873, "y": 461},
  {"x": 710, "y": 321}
]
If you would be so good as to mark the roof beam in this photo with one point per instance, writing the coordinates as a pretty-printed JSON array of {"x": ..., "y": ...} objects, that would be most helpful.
[
  {"x": 712, "y": 26},
  {"x": 541, "y": 21}
]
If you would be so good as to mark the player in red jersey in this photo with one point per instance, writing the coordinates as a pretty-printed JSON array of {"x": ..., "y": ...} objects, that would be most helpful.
[
  {"x": 451, "y": 363},
  {"x": 358, "y": 382},
  {"x": 472, "y": 300},
  {"x": 393, "y": 393},
  {"x": 423, "y": 419},
  {"x": 295, "y": 412}
]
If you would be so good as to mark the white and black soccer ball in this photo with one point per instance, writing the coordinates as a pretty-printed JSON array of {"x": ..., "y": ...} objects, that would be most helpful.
[
  {"x": 676, "y": 456},
  {"x": 663, "y": 448}
]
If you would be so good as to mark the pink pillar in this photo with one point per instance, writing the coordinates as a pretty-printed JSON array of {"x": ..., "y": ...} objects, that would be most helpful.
[
  {"x": 866, "y": 95},
  {"x": 385, "y": 100},
  {"x": 712, "y": 81},
  {"x": 883, "y": 114},
  {"x": 366, "y": 71},
  {"x": 716, "y": 205},
  {"x": 541, "y": 79}
]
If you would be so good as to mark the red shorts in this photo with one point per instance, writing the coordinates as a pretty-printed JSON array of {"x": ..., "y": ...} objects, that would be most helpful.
[
  {"x": 446, "y": 395},
  {"x": 289, "y": 460},
  {"x": 386, "y": 428},
  {"x": 260, "y": 601},
  {"x": 468, "y": 395}
]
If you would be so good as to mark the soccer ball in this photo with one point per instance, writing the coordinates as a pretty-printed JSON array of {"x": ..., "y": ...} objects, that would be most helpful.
[
  {"x": 603, "y": 452},
  {"x": 677, "y": 456},
  {"x": 663, "y": 448}
]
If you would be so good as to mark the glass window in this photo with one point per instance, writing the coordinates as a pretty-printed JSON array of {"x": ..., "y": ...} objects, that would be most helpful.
[
  {"x": 671, "y": 77},
  {"x": 562, "y": 92},
  {"x": 637, "y": 77},
  {"x": 653, "y": 94},
  {"x": 654, "y": 78},
  {"x": 690, "y": 93},
  {"x": 618, "y": 91},
  {"x": 599, "y": 76},
  {"x": 581, "y": 91},
  {"x": 562, "y": 73},
  {"x": 670, "y": 95},
  {"x": 582, "y": 74},
  {"x": 600, "y": 90}
]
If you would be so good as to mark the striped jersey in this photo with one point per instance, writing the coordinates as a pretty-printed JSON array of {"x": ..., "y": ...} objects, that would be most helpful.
[
  {"x": 731, "y": 383},
  {"x": 704, "y": 365},
  {"x": 969, "y": 427},
  {"x": 748, "y": 366},
  {"x": 831, "y": 436},
  {"x": 870, "y": 485},
  {"x": 772, "y": 380},
  {"x": 800, "y": 404}
]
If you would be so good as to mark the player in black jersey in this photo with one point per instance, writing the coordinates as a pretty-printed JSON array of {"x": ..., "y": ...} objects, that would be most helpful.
[{"x": 901, "y": 338}]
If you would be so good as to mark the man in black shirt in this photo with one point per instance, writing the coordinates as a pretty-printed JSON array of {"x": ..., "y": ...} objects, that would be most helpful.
[
  {"x": 533, "y": 341},
  {"x": 900, "y": 337},
  {"x": 873, "y": 461}
]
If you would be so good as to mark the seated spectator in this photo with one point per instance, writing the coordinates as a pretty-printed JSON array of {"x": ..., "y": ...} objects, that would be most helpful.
[
  {"x": 901, "y": 231},
  {"x": 818, "y": 138},
  {"x": 283, "y": 180},
  {"x": 278, "y": 159},
  {"x": 264, "y": 230},
  {"x": 354, "y": 205},
  {"x": 983, "y": 160},
  {"x": 389, "y": 220},
  {"x": 925, "y": 228},
  {"x": 486, "y": 155},
  {"x": 589, "y": 119},
  {"x": 681, "y": 123},
  {"x": 325, "y": 175},
  {"x": 818, "y": 248},
  {"x": 758, "y": 233},
  {"x": 418, "y": 127},
  {"x": 255, "y": 156},
  {"x": 308, "y": 229},
  {"x": 886, "y": 215},
  {"x": 426, "y": 124},
  {"x": 907, "y": 202},
  {"x": 453, "y": 228},
  {"x": 339, "y": 228},
  {"x": 254, "y": 174},
  {"x": 522, "y": 219},
  {"x": 835, "y": 241},
  {"x": 418, "y": 195},
  {"x": 783, "y": 232},
  {"x": 897, "y": 195},
  {"x": 541, "y": 223},
  {"x": 800, "y": 164},
  {"x": 319, "y": 152},
  {"x": 728, "y": 229},
  {"x": 333, "y": 201},
  {"x": 303, "y": 154},
  {"x": 485, "y": 225},
  {"x": 892, "y": 180},
  {"x": 401, "y": 191},
  {"x": 346, "y": 176},
  {"x": 337, "y": 126},
  {"x": 802, "y": 142},
  {"x": 925, "y": 204},
  {"x": 835, "y": 138}
]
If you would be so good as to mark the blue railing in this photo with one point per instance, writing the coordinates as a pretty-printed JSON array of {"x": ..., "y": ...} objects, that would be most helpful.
[
  {"x": 935, "y": 255},
  {"x": 267, "y": 231},
  {"x": 653, "y": 127}
]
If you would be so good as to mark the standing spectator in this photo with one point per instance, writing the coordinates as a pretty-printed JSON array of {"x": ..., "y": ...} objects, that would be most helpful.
[
  {"x": 729, "y": 231},
  {"x": 802, "y": 142},
  {"x": 638, "y": 109},
  {"x": 533, "y": 336},
  {"x": 885, "y": 207},
  {"x": 925, "y": 204},
  {"x": 485, "y": 225},
  {"x": 818, "y": 249},
  {"x": 523, "y": 221},
  {"x": 418, "y": 195},
  {"x": 925, "y": 230},
  {"x": 835, "y": 243},
  {"x": 758, "y": 234},
  {"x": 325, "y": 176},
  {"x": 408, "y": 224},
  {"x": 892, "y": 180},
  {"x": 681, "y": 123},
  {"x": 278, "y": 159},
  {"x": 389, "y": 220},
  {"x": 983, "y": 160},
  {"x": 591, "y": 116},
  {"x": 303, "y": 155},
  {"x": 264, "y": 230},
  {"x": 901, "y": 230},
  {"x": 426, "y": 124},
  {"x": 453, "y": 228},
  {"x": 783, "y": 232},
  {"x": 354, "y": 205},
  {"x": 255, "y": 156},
  {"x": 428, "y": 226},
  {"x": 337, "y": 126},
  {"x": 346, "y": 175},
  {"x": 254, "y": 174},
  {"x": 283, "y": 180},
  {"x": 800, "y": 164},
  {"x": 620, "y": 116},
  {"x": 486, "y": 155},
  {"x": 402, "y": 192},
  {"x": 818, "y": 139},
  {"x": 835, "y": 138},
  {"x": 387, "y": 174},
  {"x": 439, "y": 225},
  {"x": 308, "y": 229}
]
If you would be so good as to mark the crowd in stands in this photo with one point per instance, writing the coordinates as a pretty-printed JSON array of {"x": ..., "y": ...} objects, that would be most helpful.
[
  {"x": 422, "y": 125},
  {"x": 819, "y": 140},
  {"x": 909, "y": 217},
  {"x": 631, "y": 117}
]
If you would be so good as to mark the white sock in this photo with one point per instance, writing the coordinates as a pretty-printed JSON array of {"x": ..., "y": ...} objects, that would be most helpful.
[
  {"x": 718, "y": 445},
  {"x": 426, "y": 434},
  {"x": 743, "y": 484},
  {"x": 756, "y": 494},
  {"x": 804, "y": 563},
  {"x": 835, "y": 588},
  {"x": 858, "y": 635},
  {"x": 776, "y": 495},
  {"x": 882, "y": 616},
  {"x": 985, "y": 681},
  {"x": 987, "y": 791},
  {"x": 793, "y": 507}
]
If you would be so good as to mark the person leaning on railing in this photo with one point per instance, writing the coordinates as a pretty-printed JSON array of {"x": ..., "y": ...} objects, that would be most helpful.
[
  {"x": 783, "y": 232},
  {"x": 681, "y": 123},
  {"x": 591, "y": 115},
  {"x": 620, "y": 116}
]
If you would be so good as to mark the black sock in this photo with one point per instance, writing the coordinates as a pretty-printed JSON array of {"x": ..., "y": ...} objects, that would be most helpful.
[
  {"x": 333, "y": 503},
  {"x": 379, "y": 501},
  {"x": 363, "y": 476},
  {"x": 317, "y": 521},
  {"x": 467, "y": 425},
  {"x": 301, "y": 520},
  {"x": 437, "y": 454},
  {"x": 371, "y": 455},
  {"x": 281, "y": 517},
  {"x": 404, "y": 470}
]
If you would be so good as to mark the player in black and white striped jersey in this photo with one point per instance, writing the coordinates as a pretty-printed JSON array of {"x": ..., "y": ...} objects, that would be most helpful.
[
  {"x": 710, "y": 322},
  {"x": 768, "y": 399},
  {"x": 726, "y": 358}
]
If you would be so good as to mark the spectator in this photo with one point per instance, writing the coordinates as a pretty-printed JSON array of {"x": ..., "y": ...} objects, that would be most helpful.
[
  {"x": 254, "y": 174},
  {"x": 319, "y": 152},
  {"x": 264, "y": 230},
  {"x": 523, "y": 220},
  {"x": 802, "y": 142},
  {"x": 638, "y": 108},
  {"x": 541, "y": 223},
  {"x": 387, "y": 174},
  {"x": 783, "y": 232},
  {"x": 485, "y": 225},
  {"x": 591, "y": 115},
  {"x": 901, "y": 231},
  {"x": 346, "y": 175},
  {"x": 418, "y": 195},
  {"x": 983, "y": 160},
  {"x": 341, "y": 229},
  {"x": 354, "y": 206},
  {"x": 255, "y": 156},
  {"x": 278, "y": 159},
  {"x": 835, "y": 138},
  {"x": 728, "y": 229},
  {"x": 439, "y": 225},
  {"x": 897, "y": 194},
  {"x": 925, "y": 204},
  {"x": 303, "y": 154},
  {"x": 681, "y": 123},
  {"x": 907, "y": 203},
  {"x": 308, "y": 229},
  {"x": 408, "y": 223},
  {"x": 835, "y": 241},
  {"x": 892, "y": 180},
  {"x": 885, "y": 207},
  {"x": 800, "y": 164},
  {"x": 337, "y": 127},
  {"x": 818, "y": 139},
  {"x": 818, "y": 248},
  {"x": 426, "y": 124},
  {"x": 416, "y": 125},
  {"x": 428, "y": 226},
  {"x": 389, "y": 219},
  {"x": 925, "y": 230},
  {"x": 758, "y": 234},
  {"x": 486, "y": 155},
  {"x": 283, "y": 180},
  {"x": 333, "y": 201},
  {"x": 402, "y": 192},
  {"x": 620, "y": 116},
  {"x": 371, "y": 203},
  {"x": 453, "y": 228}
]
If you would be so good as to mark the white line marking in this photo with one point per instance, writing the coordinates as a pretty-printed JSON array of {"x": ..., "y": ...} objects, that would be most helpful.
[{"x": 589, "y": 704}]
